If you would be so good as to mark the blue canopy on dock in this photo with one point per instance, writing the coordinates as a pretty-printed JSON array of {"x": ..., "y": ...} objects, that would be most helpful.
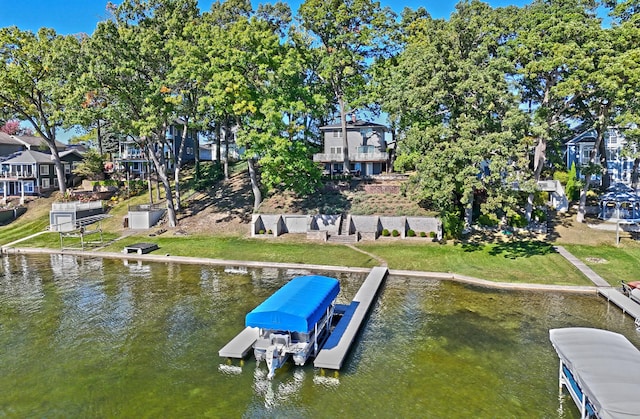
[{"x": 297, "y": 306}]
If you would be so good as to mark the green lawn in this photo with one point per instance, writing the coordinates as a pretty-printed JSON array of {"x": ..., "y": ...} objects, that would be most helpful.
[
  {"x": 609, "y": 261},
  {"x": 515, "y": 261}
]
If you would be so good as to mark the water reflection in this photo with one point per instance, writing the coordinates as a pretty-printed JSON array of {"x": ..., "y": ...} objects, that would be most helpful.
[{"x": 84, "y": 337}]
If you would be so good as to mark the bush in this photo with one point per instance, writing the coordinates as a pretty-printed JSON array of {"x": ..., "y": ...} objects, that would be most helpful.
[
  {"x": 423, "y": 234},
  {"x": 261, "y": 232},
  {"x": 539, "y": 214},
  {"x": 395, "y": 233},
  {"x": 385, "y": 232},
  {"x": 561, "y": 176},
  {"x": 432, "y": 234},
  {"x": 210, "y": 174},
  {"x": 452, "y": 225},
  {"x": 518, "y": 220},
  {"x": 573, "y": 185},
  {"x": 488, "y": 220},
  {"x": 411, "y": 233}
]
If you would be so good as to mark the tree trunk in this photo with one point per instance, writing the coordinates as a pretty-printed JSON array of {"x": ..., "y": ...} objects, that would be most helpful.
[
  {"x": 162, "y": 174},
  {"x": 218, "y": 141},
  {"x": 540, "y": 156},
  {"x": 468, "y": 212},
  {"x": 634, "y": 173},
  {"x": 345, "y": 143},
  {"x": 62, "y": 181},
  {"x": 178, "y": 168},
  {"x": 257, "y": 194},
  {"x": 227, "y": 138}
]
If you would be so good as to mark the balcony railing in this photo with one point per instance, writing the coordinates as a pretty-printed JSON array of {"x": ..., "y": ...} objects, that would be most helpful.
[
  {"x": 18, "y": 175},
  {"x": 328, "y": 157}
]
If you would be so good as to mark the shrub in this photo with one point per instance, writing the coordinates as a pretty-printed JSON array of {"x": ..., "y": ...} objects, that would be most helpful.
[
  {"x": 423, "y": 234},
  {"x": 411, "y": 233},
  {"x": 573, "y": 185},
  {"x": 385, "y": 232},
  {"x": 269, "y": 231},
  {"x": 452, "y": 225},
  {"x": 395, "y": 233},
  {"x": 539, "y": 214},
  {"x": 488, "y": 220},
  {"x": 432, "y": 234},
  {"x": 561, "y": 176},
  {"x": 518, "y": 220},
  {"x": 261, "y": 232}
]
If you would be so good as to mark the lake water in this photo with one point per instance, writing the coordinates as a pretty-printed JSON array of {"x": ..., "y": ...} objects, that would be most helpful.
[{"x": 85, "y": 337}]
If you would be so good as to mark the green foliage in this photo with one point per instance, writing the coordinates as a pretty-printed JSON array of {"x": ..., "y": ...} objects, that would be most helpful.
[
  {"x": 573, "y": 184},
  {"x": 562, "y": 176},
  {"x": 432, "y": 234},
  {"x": 411, "y": 233},
  {"x": 518, "y": 220},
  {"x": 540, "y": 215},
  {"x": 395, "y": 233},
  {"x": 92, "y": 166},
  {"x": 488, "y": 220},
  {"x": 452, "y": 226},
  {"x": 423, "y": 234},
  {"x": 385, "y": 232},
  {"x": 137, "y": 187}
]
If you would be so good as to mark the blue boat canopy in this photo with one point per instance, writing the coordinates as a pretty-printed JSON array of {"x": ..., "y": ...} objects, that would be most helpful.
[{"x": 297, "y": 306}]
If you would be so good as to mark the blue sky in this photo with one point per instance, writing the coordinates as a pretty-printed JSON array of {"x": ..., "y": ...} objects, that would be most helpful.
[{"x": 75, "y": 16}]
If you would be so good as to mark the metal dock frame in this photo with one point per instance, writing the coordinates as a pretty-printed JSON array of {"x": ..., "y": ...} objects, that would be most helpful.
[{"x": 337, "y": 346}]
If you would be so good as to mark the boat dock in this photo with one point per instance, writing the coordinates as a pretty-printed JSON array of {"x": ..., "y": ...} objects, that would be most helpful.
[
  {"x": 626, "y": 304},
  {"x": 239, "y": 346},
  {"x": 335, "y": 349}
]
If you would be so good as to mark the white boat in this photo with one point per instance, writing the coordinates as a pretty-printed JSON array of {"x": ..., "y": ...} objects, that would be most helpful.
[{"x": 294, "y": 321}]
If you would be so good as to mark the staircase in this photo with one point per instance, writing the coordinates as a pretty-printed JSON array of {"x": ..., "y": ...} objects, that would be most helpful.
[{"x": 343, "y": 235}]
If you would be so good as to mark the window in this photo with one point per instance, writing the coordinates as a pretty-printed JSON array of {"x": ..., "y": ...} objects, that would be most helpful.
[
  {"x": 55, "y": 182},
  {"x": 337, "y": 133},
  {"x": 336, "y": 150},
  {"x": 67, "y": 168},
  {"x": 586, "y": 153},
  {"x": 189, "y": 150},
  {"x": 45, "y": 183},
  {"x": 28, "y": 187},
  {"x": 44, "y": 169}
]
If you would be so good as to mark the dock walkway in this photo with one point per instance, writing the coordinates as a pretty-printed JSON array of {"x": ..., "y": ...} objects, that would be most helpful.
[
  {"x": 335, "y": 349},
  {"x": 612, "y": 294}
]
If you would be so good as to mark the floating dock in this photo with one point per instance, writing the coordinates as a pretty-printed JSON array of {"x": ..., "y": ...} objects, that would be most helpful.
[
  {"x": 140, "y": 248},
  {"x": 337, "y": 346},
  {"x": 241, "y": 344}
]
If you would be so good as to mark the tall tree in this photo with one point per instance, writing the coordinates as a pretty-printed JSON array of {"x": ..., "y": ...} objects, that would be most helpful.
[
  {"x": 348, "y": 35},
  {"x": 131, "y": 64},
  {"x": 36, "y": 78},
  {"x": 549, "y": 50},
  {"x": 462, "y": 127}
]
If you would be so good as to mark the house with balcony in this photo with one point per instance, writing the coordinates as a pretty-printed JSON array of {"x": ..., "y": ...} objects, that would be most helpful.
[
  {"x": 11, "y": 145},
  {"x": 578, "y": 151},
  {"x": 133, "y": 160},
  {"x": 366, "y": 148}
]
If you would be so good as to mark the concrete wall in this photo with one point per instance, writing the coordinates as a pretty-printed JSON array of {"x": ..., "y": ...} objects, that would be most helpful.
[
  {"x": 329, "y": 223},
  {"x": 319, "y": 227},
  {"x": 6, "y": 216},
  {"x": 296, "y": 223},
  {"x": 139, "y": 220},
  {"x": 426, "y": 224}
]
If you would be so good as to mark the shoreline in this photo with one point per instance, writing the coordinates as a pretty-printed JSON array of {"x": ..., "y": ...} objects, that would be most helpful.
[{"x": 167, "y": 258}]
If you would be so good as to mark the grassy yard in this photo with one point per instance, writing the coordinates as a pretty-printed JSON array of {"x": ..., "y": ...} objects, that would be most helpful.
[
  {"x": 516, "y": 261},
  {"x": 609, "y": 261}
]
